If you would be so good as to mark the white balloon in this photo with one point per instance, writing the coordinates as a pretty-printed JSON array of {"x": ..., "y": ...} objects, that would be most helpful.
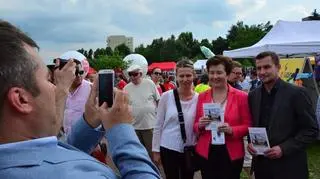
[{"x": 136, "y": 59}]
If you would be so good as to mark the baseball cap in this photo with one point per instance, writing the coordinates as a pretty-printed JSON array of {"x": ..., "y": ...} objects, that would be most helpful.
[{"x": 134, "y": 68}]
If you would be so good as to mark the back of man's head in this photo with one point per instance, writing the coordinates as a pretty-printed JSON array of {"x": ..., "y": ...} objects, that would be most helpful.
[{"x": 17, "y": 69}]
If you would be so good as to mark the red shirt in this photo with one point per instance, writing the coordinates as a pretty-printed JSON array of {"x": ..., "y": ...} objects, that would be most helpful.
[
  {"x": 237, "y": 115},
  {"x": 159, "y": 90},
  {"x": 121, "y": 84},
  {"x": 168, "y": 86}
]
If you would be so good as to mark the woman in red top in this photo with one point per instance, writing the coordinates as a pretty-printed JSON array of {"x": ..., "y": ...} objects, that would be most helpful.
[
  {"x": 122, "y": 83},
  {"x": 222, "y": 161},
  {"x": 155, "y": 76}
]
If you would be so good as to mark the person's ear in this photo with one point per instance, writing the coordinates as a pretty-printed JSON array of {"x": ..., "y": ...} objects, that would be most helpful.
[{"x": 20, "y": 100}]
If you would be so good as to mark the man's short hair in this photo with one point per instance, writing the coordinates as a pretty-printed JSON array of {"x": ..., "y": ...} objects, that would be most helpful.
[
  {"x": 273, "y": 55},
  {"x": 17, "y": 69},
  {"x": 236, "y": 64}
]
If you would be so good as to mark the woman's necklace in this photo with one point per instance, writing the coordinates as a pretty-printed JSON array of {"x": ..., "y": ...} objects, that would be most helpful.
[
  {"x": 224, "y": 99},
  {"x": 186, "y": 98}
]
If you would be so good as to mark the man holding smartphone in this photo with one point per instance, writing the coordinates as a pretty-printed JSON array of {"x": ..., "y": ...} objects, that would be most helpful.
[
  {"x": 29, "y": 121},
  {"x": 143, "y": 97}
]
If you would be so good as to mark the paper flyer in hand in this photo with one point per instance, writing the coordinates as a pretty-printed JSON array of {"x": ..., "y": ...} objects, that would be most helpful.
[
  {"x": 213, "y": 111},
  {"x": 218, "y": 138},
  {"x": 259, "y": 139}
]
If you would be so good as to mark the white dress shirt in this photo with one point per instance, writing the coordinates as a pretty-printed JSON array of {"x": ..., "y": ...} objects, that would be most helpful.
[{"x": 167, "y": 132}]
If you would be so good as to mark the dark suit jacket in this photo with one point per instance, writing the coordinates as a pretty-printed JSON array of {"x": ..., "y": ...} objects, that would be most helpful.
[{"x": 292, "y": 125}]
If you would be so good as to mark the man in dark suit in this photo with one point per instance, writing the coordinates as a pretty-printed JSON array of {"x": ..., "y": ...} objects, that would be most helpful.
[{"x": 287, "y": 114}]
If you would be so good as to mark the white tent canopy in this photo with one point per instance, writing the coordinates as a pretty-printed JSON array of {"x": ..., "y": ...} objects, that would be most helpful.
[
  {"x": 200, "y": 64},
  {"x": 285, "y": 38}
]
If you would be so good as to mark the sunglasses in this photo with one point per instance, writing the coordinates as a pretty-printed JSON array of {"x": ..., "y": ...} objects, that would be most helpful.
[
  {"x": 133, "y": 74},
  {"x": 80, "y": 72},
  {"x": 157, "y": 73}
]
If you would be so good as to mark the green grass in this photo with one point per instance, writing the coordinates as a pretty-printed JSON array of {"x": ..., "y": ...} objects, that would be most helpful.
[{"x": 313, "y": 160}]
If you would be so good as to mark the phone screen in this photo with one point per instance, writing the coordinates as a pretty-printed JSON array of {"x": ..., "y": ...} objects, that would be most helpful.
[{"x": 106, "y": 83}]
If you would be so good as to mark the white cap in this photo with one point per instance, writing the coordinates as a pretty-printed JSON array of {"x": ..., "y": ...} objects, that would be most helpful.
[{"x": 134, "y": 67}]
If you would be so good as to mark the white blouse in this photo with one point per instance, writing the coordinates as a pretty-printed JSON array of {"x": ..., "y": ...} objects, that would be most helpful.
[{"x": 167, "y": 130}]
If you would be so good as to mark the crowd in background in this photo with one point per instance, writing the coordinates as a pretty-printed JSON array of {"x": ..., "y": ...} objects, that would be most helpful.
[{"x": 156, "y": 122}]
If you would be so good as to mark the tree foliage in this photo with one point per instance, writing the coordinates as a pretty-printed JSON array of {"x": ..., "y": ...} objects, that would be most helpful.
[
  {"x": 123, "y": 50},
  {"x": 184, "y": 45},
  {"x": 241, "y": 35},
  {"x": 108, "y": 62}
]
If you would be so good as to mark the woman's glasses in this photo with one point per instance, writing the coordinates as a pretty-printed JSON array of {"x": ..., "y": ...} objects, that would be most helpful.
[{"x": 157, "y": 73}]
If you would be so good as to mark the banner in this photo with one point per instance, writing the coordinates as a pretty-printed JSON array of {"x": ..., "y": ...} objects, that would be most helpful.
[{"x": 289, "y": 67}]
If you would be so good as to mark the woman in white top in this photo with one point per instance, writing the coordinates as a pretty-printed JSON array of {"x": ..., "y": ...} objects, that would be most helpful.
[{"x": 167, "y": 143}]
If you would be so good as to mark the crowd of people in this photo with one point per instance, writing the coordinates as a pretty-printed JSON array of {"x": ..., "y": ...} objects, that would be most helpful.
[{"x": 153, "y": 123}]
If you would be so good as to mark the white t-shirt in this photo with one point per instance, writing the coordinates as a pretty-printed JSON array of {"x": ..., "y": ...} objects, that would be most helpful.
[
  {"x": 143, "y": 100},
  {"x": 167, "y": 130},
  {"x": 246, "y": 84}
]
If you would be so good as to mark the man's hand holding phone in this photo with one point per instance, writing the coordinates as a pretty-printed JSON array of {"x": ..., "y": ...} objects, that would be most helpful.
[
  {"x": 119, "y": 113},
  {"x": 91, "y": 114},
  {"x": 108, "y": 115}
]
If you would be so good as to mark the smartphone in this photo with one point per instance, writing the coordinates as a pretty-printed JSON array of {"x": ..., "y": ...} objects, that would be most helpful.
[{"x": 105, "y": 87}]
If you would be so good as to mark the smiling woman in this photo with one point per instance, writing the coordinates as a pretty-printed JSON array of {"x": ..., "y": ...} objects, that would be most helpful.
[
  {"x": 222, "y": 161},
  {"x": 169, "y": 141}
]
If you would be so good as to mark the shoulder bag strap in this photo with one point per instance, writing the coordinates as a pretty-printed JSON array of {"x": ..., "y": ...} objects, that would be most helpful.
[{"x": 180, "y": 115}]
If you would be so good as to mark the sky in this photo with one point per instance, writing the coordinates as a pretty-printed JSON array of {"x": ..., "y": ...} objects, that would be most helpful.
[{"x": 62, "y": 25}]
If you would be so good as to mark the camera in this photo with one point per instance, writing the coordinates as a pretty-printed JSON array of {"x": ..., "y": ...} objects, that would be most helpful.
[{"x": 63, "y": 62}]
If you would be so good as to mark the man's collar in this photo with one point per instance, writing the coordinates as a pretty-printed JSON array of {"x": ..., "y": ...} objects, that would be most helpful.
[{"x": 275, "y": 86}]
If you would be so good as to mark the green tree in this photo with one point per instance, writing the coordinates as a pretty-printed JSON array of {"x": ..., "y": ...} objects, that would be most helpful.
[
  {"x": 123, "y": 50},
  {"x": 206, "y": 43},
  {"x": 90, "y": 54},
  {"x": 241, "y": 35},
  {"x": 246, "y": 62},
  {"x": 219, "y": 45},
  {"x": 154, "y": 52},
  {"x": 81, "y": 51},
  {"x": 108, "y": 62},
  {"x": 169, "y": 51},
  {"x": 108, "y": 51},
  {"x": 85, "y": 53},
  {"x": 99, "y": 52},
  {"x": 140, "y": 49},
  {"x": 314, "y": 15},
  {"x": 186, "y": 44}
]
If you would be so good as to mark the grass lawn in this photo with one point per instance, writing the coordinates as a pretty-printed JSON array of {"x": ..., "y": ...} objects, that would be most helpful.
[{"x": 314, "y": 161}]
